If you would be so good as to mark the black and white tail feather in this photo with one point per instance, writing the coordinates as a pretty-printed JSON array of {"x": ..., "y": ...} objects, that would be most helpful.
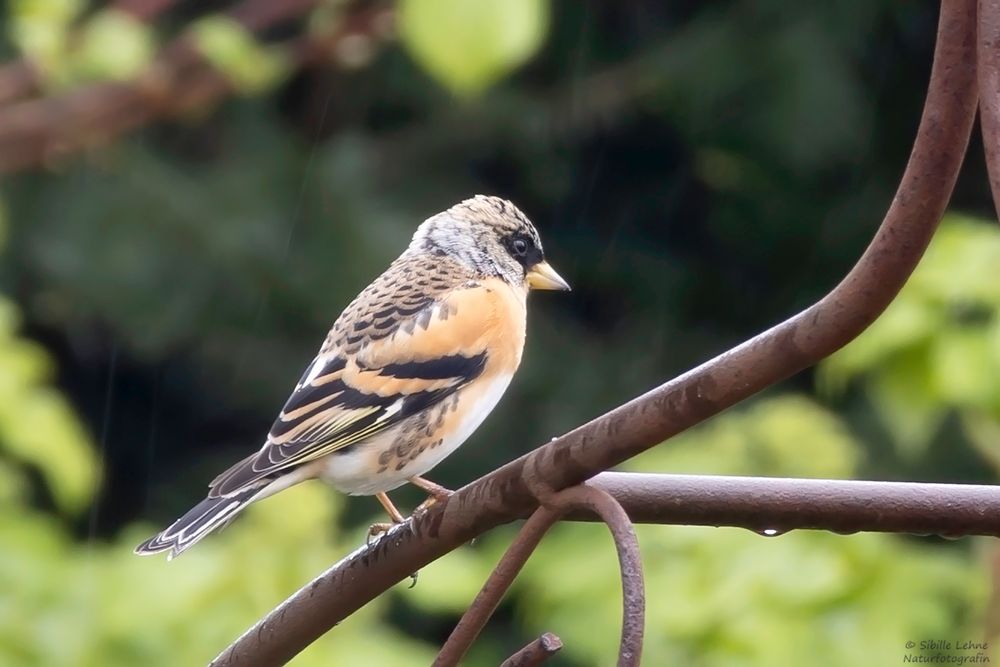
[{"x": 208, "y": 515}]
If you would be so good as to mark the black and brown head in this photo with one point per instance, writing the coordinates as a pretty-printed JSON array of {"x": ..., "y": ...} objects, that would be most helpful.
[{"x": 493, "y": 238}]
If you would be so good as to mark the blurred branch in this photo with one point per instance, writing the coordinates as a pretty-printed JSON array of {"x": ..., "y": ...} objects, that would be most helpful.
[
  {"x": 513, "y": 490},
  {"x": 180, "y": 80},
  {"x": 21, "y": 78}
]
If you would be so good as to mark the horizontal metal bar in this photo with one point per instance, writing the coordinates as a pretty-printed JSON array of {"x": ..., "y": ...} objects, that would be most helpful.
[{"x": 780, "y": 504}]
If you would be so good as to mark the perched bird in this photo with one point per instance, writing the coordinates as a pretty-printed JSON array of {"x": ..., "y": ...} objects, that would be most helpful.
[{"x": 409, "y": 370}]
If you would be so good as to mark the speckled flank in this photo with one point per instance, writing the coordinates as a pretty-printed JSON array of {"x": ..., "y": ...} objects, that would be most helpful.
[{"x": 416, "y": 446}]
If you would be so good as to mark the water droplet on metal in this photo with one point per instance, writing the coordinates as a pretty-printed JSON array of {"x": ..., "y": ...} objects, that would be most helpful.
[{"x": 771, "y": 532}]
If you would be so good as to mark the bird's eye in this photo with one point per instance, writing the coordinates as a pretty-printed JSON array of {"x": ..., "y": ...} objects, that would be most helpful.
[{"x": 520, "y": 246}]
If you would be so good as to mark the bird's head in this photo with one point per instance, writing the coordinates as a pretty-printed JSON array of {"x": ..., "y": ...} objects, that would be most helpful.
[{"x": 493, "y": 238}]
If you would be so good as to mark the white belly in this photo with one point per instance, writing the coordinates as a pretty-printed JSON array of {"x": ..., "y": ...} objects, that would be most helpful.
[{"x": 354, "y": 472}]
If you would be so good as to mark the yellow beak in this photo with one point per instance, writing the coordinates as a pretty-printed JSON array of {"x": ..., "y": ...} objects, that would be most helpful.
[{"x": 543, "y": 276}]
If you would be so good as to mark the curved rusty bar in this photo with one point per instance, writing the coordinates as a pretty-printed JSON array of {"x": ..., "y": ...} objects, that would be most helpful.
[
  {"x": 604, "y": 505},
  {"x": 535, "y": 653},
  {"x": 828, "y": 325},
  {"x": 485, "y": 603},
  {"x": 989, "y": 90},
  {"x": 802, "y": 340},
  {"x": 554, "y": 506}
]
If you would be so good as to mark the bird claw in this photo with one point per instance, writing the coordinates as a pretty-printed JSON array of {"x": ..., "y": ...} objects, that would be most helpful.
[
  {"x": 433, "y": 499},
  {"x": 422, "y": 508},
  {"x": 376, "y": 531}
]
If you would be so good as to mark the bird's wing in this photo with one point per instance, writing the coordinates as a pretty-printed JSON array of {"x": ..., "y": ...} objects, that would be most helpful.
[{"x": 358, "y": 388}]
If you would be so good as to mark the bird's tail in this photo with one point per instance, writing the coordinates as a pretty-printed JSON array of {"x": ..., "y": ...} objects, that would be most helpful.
[{"x": 198, "y": 522}]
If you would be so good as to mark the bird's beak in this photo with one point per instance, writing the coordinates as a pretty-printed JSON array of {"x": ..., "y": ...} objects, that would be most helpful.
[{"x": 543, "y": 276}]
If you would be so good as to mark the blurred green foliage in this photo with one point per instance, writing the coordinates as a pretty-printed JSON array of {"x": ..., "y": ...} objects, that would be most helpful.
[
  {"x": 232, "y": 49},
  {"x": 37, "y": 425},
  {"x": 114, "y": 45},
  {"x": 468, "y": 44},
  {"x": 936, "y": 350},
  {"x": 71, "y": 603},
  {"x": 697, "y": 171}
]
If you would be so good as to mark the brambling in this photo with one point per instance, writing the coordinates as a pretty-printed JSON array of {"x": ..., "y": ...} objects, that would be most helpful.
[{"x": 409, "y": 370}]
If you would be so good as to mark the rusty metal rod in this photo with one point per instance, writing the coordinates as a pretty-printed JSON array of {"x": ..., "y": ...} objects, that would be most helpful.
[
  {"x": 780, "y": 504},
  {"x": 605, "y": 506},
  {"x": 535, "y": 653},
  {"x": 989, "y": 90},
  {"x": 800, "y": 341},
  {"x": 485, "y": 603}
]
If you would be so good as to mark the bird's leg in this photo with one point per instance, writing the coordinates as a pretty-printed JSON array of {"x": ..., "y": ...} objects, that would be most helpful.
[
  {"x": 394, "y": 514},
  {"x": 436, "y": 492},
  {"x": 379, "y": 528}
]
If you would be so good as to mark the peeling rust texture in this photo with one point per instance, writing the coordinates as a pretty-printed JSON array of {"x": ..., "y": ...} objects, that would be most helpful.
[{"x": 503, "y": 495}]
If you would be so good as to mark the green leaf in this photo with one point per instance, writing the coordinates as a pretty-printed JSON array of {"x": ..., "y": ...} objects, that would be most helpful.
[
  {"x": 468, "y": 45},
  {"x": 963, "y": 372},
  {"x": 962, "y": 264},
  {"x": 234, "y": 51},
  {"x": 39, "y": 29},
  {"x": 786, "y": 435},
  {"x": 906, "y": 323},
  {"x": 114, "y": 45},
  {"x": 904, "y": 396},
  {"x": 37, "y": 425}
]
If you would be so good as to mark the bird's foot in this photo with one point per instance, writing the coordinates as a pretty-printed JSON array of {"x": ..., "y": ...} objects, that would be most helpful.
[
  {"x": 436, "y": 493},
  {"x": 376, "y": 530},
  {"x": 429, "y": 503}
]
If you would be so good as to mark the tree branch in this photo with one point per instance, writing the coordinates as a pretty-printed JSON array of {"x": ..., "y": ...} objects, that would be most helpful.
[
  {"x": 40, "y": 131},
  {"x": 21, "y": 77},
  {"x": 791, "y": 346}
]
